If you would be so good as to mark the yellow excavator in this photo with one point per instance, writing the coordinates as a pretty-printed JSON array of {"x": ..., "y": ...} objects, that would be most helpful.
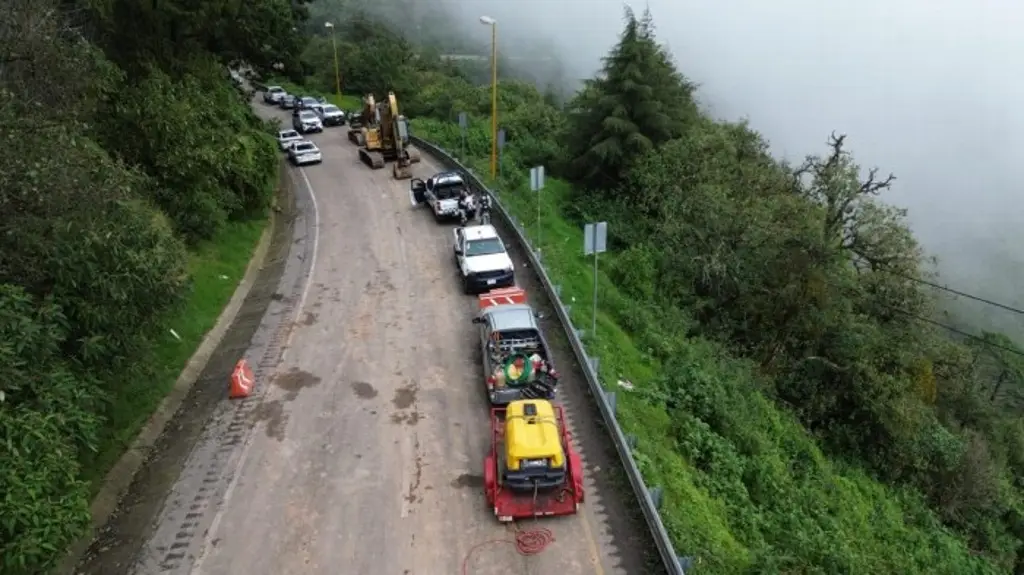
[{"x": 384, "y": 137}]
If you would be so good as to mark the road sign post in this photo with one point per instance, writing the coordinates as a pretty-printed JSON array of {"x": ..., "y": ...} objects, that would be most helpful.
[
  {"x": 463, "y": 126},
  {"x": 595, "y": 241},
  {"x": 536, "y": 185},
  {"x": 501, "y": 151}
]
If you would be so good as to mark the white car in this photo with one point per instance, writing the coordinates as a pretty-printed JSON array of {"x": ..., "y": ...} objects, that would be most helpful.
[
  {"x": 302, "y": 153},
  {"x": 285, "y": 138},
  {"x": 273, "y": 94},
  {"x": 482, "y": 260}
]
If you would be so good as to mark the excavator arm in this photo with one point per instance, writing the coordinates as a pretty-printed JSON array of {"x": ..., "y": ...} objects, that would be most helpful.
[{"x": 395, "y": 121}]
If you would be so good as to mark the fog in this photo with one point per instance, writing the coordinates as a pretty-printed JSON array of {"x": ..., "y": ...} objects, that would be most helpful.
[{"x": 931, "y": 90}]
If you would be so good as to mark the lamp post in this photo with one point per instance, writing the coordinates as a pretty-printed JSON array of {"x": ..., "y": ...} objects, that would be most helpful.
[
  {"x": 337, "y": 69},
  {"x": 488, "y": 21}
]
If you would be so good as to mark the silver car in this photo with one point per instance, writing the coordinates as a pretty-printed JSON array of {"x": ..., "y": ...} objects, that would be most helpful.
[
  {"x": 307, "y": 121},
  {"x": 302, "y": 153},
  {"x": 273, "y": 94},
  {"x": 285, "y": 138}
]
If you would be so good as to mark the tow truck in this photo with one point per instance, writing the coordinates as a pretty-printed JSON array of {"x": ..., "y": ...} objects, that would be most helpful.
[
  {"x": 532, "y": 469},
  {"x": 516, "y": 358}
]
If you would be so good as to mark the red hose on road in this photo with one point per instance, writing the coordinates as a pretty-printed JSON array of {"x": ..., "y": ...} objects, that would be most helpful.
[{"x": 527, "y": 542}]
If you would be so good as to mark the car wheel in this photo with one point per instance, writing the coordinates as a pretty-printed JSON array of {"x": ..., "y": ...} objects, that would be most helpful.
[{"x": 467, "y": 288}]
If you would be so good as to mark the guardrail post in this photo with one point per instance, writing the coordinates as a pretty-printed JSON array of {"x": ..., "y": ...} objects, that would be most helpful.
[
  {"x": 595, "y": 362},
  {"x": 655, "y": 496},
  {"x": 558, "y": 291},
  {"x": 685, "y": 563},
  {"x": 632, "y": 441},
  {"x": 609, "y": 396},
  {"x": 567, "y": 308},
  {"x": 579, "y": 332}
]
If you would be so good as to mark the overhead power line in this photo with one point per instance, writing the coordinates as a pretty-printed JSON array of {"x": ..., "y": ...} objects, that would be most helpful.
[
  {"x": 957, "y": 331},
  {"x": 944, "y": 326},
  {"x": 957, "y": 292}
]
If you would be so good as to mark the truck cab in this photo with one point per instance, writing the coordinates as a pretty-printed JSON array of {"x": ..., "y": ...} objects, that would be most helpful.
[
  {"x": 483, "y": 262},
  {"x": 440, "y": 192},
  {"x": 516, "y": 356}
]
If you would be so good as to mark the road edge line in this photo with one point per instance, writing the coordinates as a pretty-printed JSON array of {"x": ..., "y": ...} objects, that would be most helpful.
[{"x": 197, "y": 565}]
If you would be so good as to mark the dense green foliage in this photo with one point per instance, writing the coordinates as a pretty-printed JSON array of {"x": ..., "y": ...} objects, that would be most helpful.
[
  {"x": 127, "y": 147},
  {"x": 791, "y": 394}
]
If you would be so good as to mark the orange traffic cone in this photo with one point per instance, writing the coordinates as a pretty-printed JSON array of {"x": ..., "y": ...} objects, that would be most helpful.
[{"x": 242, "y": 380}]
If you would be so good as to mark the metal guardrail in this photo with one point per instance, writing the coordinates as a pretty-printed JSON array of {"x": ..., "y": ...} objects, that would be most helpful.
[{"x": 649, "y": 499}]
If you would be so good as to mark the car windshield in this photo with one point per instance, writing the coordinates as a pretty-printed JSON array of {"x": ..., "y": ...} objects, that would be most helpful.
[
  {"x": 305, "y": 148},
  {"x": 484, "y": 247},
  {"x": 330, "y": 109},
  {"x": 275, "y": 89},
  {"x": 309, "y": 101},
  {"x": 307, "y": 116},
  {"x": 289, "y": 134}
]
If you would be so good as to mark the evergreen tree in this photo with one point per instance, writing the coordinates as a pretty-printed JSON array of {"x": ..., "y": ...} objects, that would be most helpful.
[{"x": 638, "y": 102}]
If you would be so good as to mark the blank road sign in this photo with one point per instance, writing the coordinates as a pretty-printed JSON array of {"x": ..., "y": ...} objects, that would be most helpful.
[
  {"x": 537, "y": 178},
  {"x": 463, "y": 120},
  {"x": 501, "y": 139},
  {"x": 595, "y": 238}
]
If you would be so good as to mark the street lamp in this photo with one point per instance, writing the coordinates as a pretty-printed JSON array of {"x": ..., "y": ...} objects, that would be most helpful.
[
  {"x": 337, "y": 70},
  {"x": 488, "y": 21}
]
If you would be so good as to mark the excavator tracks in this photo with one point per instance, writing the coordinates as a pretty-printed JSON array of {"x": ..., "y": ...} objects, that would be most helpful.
[{"x": 373, "y": 159}]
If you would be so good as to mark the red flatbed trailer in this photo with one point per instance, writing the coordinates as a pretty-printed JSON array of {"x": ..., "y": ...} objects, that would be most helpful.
[{"x": 511, "y": 505}]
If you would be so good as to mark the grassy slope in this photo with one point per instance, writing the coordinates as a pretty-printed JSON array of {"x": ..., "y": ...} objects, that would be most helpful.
[
  {"x": 835, "y": 518},
  {"x": 216, "y": 268}
]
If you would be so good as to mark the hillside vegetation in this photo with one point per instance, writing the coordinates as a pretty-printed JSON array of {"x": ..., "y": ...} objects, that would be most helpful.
[
  {"x": 792, "y": 391},
  {"x": 133, "y": 187}
]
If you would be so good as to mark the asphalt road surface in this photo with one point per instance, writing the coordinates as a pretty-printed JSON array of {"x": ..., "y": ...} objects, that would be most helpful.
[{"x": 368, "y": 457}]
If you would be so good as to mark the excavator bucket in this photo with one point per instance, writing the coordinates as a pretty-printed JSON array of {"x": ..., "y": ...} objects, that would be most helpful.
[{"x": 402, "y": 172}]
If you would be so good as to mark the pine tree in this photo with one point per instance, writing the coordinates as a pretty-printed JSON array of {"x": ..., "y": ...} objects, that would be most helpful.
[{"x": 638, "y": 102}]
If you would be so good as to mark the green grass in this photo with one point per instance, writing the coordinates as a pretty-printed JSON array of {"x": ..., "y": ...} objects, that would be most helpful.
[
  {"x": 346, "y": 102},
  {"x": 216, "y": 268},
  {"x": 742, "y": 507}
]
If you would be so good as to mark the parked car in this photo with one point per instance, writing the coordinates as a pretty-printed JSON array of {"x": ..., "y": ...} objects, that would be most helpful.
[
  {"x": 331, "y": 115},
  {"x": 307, "y": 121},
  {"x": 483, "y": 262},
  {"x": 285, "y": 138},
  {"x": 305, "y": 152},
  {"x": 287, "y": 102},
  {"x": 273, "y": 94},
  {"x": 306, "y": 103}
]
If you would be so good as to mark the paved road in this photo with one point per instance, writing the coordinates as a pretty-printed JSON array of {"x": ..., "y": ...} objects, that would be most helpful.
[{"x": 367, "y": 459}]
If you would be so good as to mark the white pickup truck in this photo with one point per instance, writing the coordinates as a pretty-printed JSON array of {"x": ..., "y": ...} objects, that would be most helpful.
[
  {"x": 440, "y": 192},
  {"x": 483, "y": 263}
]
